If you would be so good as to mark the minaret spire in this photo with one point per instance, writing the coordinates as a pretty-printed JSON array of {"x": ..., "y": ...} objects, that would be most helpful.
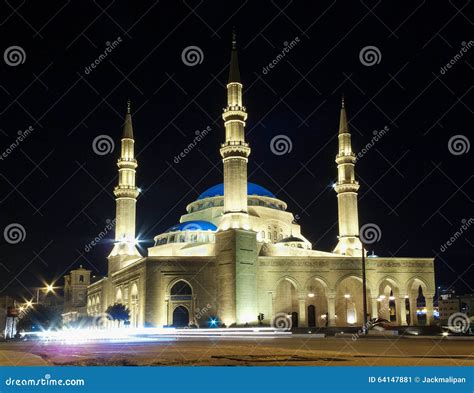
[
  {"x": 234, "y": 72},
  {"x": 127, "y": 125},
  {"x": 126, "y": 194},
  {"x": 235, "y": 150},
  {"x": 346, "y": 189}
]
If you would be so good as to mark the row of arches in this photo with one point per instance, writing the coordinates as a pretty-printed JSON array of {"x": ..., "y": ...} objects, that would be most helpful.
[
  {"x": 318, "y": 305},
  {"x": 128, "y": 296}
]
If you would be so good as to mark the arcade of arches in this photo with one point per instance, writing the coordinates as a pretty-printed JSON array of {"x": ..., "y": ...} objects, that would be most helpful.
[{"x": 314, "y": 304}]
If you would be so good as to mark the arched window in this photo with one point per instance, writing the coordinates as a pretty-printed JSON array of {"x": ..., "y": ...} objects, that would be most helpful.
[
  {"x": 81, "y": 278},
  {"x": 181, "y": 291},
  {"x": 181, "y": 288},
  {"x": 263, "y": 234}
]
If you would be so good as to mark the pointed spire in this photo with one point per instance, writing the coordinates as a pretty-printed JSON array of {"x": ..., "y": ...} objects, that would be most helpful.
[
  {"x": 343, "y": 126},
  {"x": 234, "y": 73},
  {"x": 127, "y": 125}
]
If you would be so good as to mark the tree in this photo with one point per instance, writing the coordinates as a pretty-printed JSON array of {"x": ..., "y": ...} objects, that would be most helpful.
[{"x": 118, "y": 312}]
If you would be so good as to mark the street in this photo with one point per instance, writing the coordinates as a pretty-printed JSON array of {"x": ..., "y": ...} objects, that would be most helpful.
[{"x": 299, "y": 350}]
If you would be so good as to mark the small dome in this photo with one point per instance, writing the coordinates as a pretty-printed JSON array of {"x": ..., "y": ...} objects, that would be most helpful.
[
  {"x": 291, "y": 239},
  {"x": 252, "y": 189},
  {"x": 196, "y": 225}
]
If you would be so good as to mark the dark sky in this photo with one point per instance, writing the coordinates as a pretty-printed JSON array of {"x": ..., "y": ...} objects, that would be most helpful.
[{"x": 60, "y": 191}]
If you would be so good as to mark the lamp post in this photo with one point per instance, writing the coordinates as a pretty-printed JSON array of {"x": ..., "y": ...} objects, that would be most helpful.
[
  {"x": 364, "y": 289},
  {"x": 47, "y": 289}
]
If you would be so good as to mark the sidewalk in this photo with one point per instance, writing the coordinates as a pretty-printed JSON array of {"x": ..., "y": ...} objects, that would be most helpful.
[{"x": 14, "y": 358}]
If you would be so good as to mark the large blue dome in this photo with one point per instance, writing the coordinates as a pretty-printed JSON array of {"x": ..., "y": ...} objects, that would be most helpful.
[
  {"x": 252, "y": 189},
  {"x": 195, "y": 225}
]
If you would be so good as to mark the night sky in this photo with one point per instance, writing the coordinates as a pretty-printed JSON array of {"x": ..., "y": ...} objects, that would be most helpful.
[{"x": 59, "y": 190}]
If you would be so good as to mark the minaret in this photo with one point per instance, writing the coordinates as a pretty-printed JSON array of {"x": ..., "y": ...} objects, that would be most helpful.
[
  {"x": 236, "y": 244},
  {"x": 235, "y": 150},
  {"x": 126, "y": 194},
  {"x": 346, "y": 188}
]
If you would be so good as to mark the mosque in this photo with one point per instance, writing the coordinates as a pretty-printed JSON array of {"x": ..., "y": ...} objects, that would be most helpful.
[{"x": 238, "y": 256}]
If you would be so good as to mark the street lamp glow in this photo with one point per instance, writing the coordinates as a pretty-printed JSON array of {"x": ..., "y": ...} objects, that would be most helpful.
[{"x": 49, "y": 288}]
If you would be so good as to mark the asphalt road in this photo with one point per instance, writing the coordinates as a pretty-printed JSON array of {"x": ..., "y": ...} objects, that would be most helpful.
[{"x": 299, "y": 351}]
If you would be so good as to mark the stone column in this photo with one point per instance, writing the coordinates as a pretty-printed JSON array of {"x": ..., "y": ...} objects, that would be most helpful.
[
  {"x": 302, "y": 311},
  {"x": 375, "y": 308},
  {"x": 332, "y": 309},
  {"x": 413, "y": 316},
  {"x": 401, "y": 311},
  {"x": 429, "y": 309}
]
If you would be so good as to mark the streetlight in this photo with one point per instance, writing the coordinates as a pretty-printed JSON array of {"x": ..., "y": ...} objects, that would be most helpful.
[
  {"x": 47, "y": 289},
  {"x": 364, "y": 287}
]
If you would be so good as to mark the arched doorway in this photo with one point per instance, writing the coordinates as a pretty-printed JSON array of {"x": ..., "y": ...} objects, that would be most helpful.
[
  {"x": 420, "y": 302},
  {"x": 180, "y": 316},
  {"x": 311, "y": 316},
  {"x": 180, "y": 304},
  {"x": 286, "y": 300},
  {"x": 349, "y": 306},
  {"x": 316, "y": 301}
]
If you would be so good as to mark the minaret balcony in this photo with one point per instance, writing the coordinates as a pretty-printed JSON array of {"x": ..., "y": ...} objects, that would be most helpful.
[
  {"x": 347, "y": 186},
  {"x": 234, "y": 113},
  {"x": 235, "y": 149},
  {"x": 130, "y": 163},
  {"x": 124, "y": 191},
  {"x": 346, "y": 158}
]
